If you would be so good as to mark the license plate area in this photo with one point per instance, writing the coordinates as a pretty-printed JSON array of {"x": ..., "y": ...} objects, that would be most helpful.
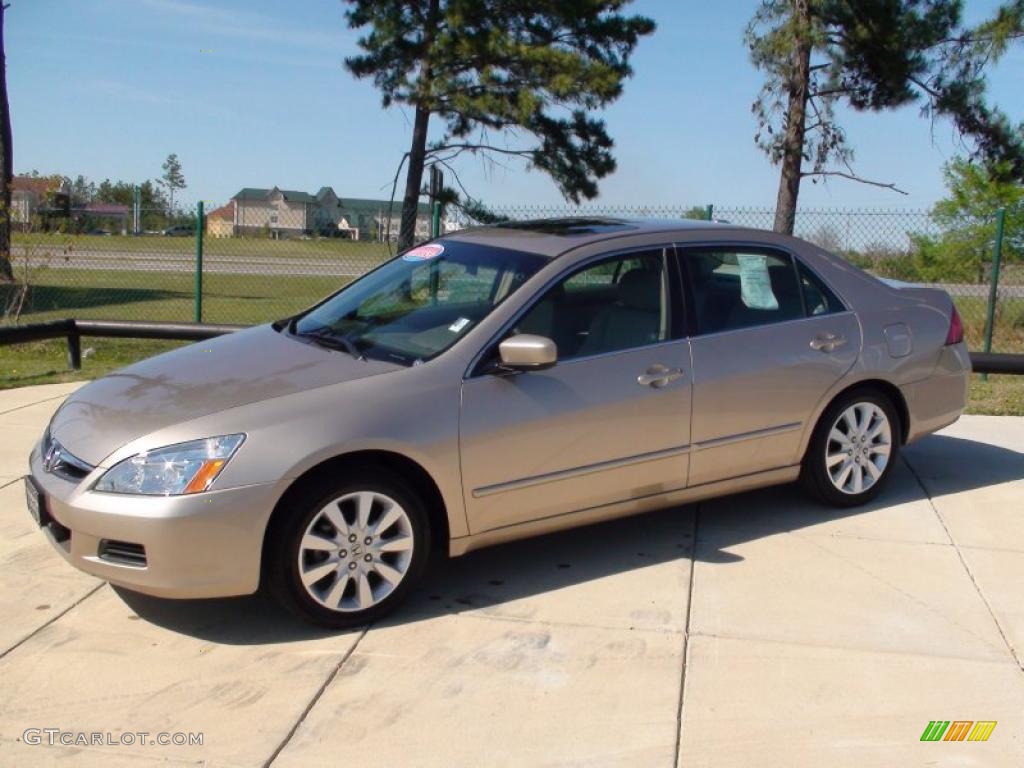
[{"x": 35, "y": 500}]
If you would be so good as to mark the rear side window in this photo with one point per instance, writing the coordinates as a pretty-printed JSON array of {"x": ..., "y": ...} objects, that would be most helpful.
[
  {"x": 818, "y": 297},
  {"x": 740, "y": 289}
]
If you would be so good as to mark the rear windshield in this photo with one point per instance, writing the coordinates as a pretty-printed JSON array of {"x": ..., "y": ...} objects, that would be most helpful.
[{"x": 417, "y": 305}]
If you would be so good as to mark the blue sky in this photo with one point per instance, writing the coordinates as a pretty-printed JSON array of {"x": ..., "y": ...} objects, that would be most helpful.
[{"x": 253, "y": 93}]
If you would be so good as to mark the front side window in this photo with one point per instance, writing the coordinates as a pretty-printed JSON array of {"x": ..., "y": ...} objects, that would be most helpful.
[
  {"x": 615, "y": 304},
  {"x": 739, "y": 289},
  {"x": 417, "y": 305}
]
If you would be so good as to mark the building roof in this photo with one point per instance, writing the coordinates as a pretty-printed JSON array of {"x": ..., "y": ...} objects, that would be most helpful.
[
  {"x": 41, "y": 185},
  {"x": 257, "y": 193},
  {"x": 366, "y": 205},
  {"x": 224, "y": 212}
]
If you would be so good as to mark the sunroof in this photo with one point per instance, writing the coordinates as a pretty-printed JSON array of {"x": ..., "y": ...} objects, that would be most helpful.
[{"x": 576, "y": 225}]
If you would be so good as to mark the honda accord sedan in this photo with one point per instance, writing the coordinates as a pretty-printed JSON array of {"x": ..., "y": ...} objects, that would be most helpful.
[{"x": 496, "y": 383}]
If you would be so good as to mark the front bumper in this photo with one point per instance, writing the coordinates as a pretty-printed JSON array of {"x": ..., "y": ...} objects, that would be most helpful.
[{"x": 201, "y": 545}]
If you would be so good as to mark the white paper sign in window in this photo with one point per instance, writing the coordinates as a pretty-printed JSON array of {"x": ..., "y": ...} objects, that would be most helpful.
[{"x": 755, "y": 283}]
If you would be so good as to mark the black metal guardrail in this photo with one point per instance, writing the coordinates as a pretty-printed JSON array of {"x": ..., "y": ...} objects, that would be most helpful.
[{"x": 74, "y": 330}]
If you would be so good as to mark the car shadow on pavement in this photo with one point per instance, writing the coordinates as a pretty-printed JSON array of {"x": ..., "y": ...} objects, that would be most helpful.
[{"x": 512, "y": 575}]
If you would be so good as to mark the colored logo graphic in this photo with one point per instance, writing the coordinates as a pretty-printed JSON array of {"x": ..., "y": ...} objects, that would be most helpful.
[
  {"x": 423, "y": 252},
  {"x": 958, "y": 730}
]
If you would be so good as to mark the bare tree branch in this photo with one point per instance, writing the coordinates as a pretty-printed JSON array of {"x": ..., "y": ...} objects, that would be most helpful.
[{"x": 855, "y": 177}]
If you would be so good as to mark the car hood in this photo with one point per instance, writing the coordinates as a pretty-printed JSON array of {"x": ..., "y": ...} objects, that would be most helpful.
[{"x": 236, "y": 369}]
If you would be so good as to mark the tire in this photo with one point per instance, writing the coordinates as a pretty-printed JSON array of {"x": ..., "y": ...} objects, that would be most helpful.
[
  {"x": 334, "y": 580},
  {"x": 874, "y": 450}
]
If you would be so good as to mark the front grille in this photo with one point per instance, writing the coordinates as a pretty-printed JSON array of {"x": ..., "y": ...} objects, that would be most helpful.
[
  {"x": 58, "y": 461},
  {"x": 122, "y": 553}
]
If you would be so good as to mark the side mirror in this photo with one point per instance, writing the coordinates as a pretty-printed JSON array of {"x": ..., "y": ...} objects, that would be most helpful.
[{"x": 526, "y": 352}]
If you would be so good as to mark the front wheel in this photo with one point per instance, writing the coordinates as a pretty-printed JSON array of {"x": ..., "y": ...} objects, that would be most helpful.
[
  {"x": 853, "y": 449},
  {"x": 346, "y": 553}
]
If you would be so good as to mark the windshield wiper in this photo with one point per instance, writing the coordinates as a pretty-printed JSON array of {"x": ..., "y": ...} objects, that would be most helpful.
[{"x": 326, "y": 337}]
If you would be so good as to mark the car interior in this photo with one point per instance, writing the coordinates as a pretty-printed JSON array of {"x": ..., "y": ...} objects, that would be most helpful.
[
  {"x": 718, "y": 292},
  {"x": 615, "y": 305}
]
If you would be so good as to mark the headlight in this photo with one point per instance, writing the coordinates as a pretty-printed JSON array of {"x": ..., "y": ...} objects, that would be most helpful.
[{"x": 171, "y": 471}]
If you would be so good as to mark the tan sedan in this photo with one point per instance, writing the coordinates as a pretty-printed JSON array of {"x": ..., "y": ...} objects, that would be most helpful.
[{"x": 497, "y": 383}]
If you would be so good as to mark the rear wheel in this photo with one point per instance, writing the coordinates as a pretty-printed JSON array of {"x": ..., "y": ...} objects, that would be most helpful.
[
  {"x": 349, "y": 551},
  {"x": 853, "y": 449}
]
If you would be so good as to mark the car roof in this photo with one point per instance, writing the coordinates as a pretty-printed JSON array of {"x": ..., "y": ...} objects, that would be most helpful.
[{"x": 553, "y": 237}]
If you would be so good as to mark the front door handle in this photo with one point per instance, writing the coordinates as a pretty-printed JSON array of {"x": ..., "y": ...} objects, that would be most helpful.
[
  {"x": 658, "y": 376},
  {"x": 827, "y": 342}
]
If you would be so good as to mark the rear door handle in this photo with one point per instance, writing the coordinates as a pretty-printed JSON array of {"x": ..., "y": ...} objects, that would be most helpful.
[
  {"x": 827, "y": 342},
  {"x": 658, "y": 376}
]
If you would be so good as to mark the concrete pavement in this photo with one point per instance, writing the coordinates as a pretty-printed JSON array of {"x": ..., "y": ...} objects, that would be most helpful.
[{"x": 759, "y": 629}]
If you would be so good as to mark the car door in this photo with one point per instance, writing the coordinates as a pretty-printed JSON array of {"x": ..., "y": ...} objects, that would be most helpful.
[
  {"x": 608, "y": 423},
  {"x": 769, "y": 340}
]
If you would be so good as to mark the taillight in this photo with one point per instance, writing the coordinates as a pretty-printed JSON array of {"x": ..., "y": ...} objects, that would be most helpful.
[{"x": 956, "y": 328}]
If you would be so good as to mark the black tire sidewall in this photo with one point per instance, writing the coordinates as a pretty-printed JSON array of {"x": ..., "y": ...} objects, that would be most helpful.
[
  {"x": 283, "y": 578},
  {"x": 814, "y": 473}
]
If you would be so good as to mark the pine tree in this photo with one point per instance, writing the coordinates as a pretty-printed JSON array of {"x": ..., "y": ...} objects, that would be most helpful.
[
  {"x": 873, "y": 55},
  {"x": 173, "y": 178},
  {"x": 535, "y": 69}
]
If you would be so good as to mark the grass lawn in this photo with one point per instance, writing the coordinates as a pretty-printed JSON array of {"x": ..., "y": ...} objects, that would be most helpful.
[
  {"x": 46, "y": 362},
  {"x": 126, "y": 295}
]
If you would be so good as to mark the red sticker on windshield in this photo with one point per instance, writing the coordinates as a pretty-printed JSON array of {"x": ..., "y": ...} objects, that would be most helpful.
[{"x": 424, "y": 252}]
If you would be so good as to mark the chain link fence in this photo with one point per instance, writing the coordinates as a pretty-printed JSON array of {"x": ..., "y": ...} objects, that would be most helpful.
[{"x": 261, "y": 261}]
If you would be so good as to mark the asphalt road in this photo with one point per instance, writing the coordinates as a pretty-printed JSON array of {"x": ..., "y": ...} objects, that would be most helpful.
[{"x": 233, "y": 264}]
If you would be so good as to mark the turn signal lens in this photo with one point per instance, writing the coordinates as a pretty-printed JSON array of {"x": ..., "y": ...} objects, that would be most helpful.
[
  {"x": 205, "y": 476},
  {"x": 956, "y": 329}
]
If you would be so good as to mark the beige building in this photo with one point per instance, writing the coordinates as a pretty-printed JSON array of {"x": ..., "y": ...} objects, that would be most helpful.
[
  {"x": 221, "y": 221},
  {"x": 291, "y": 213},
  {"x": 30, "y": 194}
]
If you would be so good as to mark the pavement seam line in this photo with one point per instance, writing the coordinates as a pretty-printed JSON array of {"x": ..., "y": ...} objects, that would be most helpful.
[
  {"x": 967, "y": 568},
  {"x": 686, "y": 636},
  {"x": 316, "y": 697},
  {"x": 38, "y": 402},
  {"x": 51, "y": 620},
  {"x": 12, "y": 482}
]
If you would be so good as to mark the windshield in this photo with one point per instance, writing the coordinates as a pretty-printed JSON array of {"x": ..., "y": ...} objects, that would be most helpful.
[{"x": 417, "y": 305}]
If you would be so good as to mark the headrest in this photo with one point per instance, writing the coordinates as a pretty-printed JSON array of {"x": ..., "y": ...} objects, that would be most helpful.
[{"x": 641, "y": 289}]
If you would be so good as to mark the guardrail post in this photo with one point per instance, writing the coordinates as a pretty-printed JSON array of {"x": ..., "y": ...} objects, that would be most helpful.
[
  {"x": 993, "y": 289},
  {"x": 199, "y": 262},
  {"x": 74, "y": 348},
  {"x": 435, "y": 220}
]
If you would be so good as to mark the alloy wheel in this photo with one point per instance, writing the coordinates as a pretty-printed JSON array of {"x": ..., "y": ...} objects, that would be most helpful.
[
  {"x": 858, "y": 448},
  {"x": 355, "y": 551}
]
